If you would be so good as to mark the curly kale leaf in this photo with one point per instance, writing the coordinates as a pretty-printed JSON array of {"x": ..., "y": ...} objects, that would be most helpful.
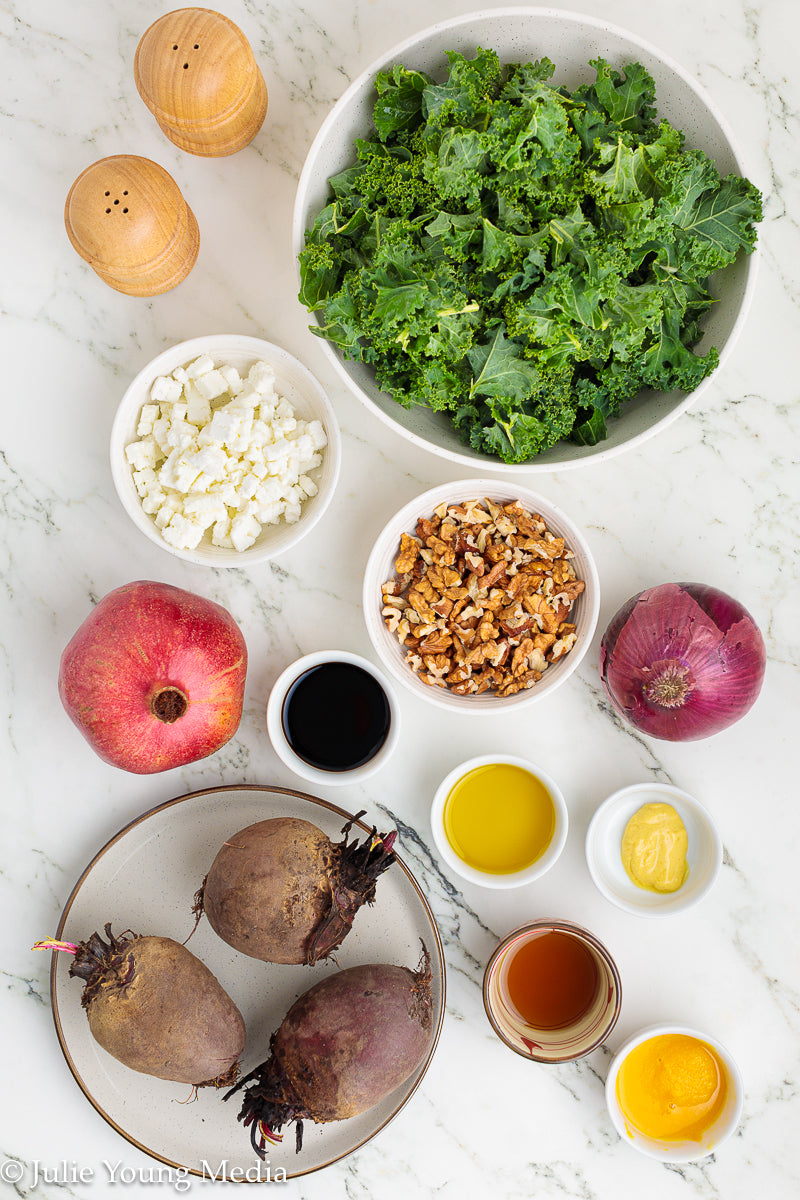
[
  {"x": 523, "y": 258},
  {"x": 398, "y": 108}
]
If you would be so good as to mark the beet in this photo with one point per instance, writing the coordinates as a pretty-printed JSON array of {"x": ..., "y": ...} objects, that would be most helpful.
[
  {"x": 344, "y": 1044},
  {"x": 282, "y": 891},
  {"x": 157, "y": 1008}
]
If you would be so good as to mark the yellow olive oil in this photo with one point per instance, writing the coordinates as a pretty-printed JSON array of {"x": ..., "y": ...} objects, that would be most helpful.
[{"x": 499, "y": 818}]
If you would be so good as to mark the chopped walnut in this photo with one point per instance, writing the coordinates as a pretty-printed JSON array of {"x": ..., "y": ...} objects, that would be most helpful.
[
  {"x": 409, "y": 550},
  {"x": 482, "y": 597}
]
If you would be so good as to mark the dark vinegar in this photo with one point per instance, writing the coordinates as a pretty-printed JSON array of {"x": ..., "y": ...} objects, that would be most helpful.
[{"x": 336, "y": 716}]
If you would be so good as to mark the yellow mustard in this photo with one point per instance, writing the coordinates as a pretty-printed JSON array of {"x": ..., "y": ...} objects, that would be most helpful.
[{"x": 654, "y": 847}]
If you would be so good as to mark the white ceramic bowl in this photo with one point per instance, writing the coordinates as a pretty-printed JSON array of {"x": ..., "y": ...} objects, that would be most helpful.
[
  {"x": 570, "y": 40},
  {"x": 380, "y": 568},
  {"x": 682, "y": 1151},
  {"x": 277, "y": 734},
  {"x": 485, "y": 878},
  {"x": 293, "y": 381},
  {"x": 604, "y": 838}
]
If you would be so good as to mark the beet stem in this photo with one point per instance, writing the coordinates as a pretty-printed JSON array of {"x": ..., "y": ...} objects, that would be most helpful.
[
  {"x": 359, "y": 866},
  {"x": 53, "y": 944}
]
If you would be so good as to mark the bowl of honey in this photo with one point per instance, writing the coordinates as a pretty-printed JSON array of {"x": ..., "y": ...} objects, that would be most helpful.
[
  {"x": 674, "y": 1093},
  {"x": 552, "y": 991},
  {"x": 499, "y": 821}
]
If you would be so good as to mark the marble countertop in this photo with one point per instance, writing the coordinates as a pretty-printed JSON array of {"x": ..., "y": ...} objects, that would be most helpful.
[{"x": 715, "y": 497}]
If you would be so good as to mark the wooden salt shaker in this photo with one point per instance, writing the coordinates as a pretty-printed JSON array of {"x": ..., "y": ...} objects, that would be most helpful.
[
  {"x": 127, "y": 218},
  {"x": 197, "y": 74}
]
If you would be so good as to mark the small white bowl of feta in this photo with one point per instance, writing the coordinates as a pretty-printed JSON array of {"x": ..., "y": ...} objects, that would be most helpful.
[{"x": 225, "y": 450}]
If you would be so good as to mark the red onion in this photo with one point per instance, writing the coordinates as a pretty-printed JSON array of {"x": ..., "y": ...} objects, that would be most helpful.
[{"x": 682, "y": 661}]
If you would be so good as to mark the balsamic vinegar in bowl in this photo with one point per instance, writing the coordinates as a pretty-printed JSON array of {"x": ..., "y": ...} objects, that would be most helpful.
[
  {"x": 336, "y": 716},
  {"x": 333, "y": 717}
]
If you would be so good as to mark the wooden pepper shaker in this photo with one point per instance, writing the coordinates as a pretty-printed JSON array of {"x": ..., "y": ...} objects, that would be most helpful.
[
  {"x": 127, "y": 218},
  {"x": 196, "y": 72}
]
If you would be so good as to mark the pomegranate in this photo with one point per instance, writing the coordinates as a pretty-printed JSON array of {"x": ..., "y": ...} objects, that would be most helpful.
[{"x": 154, "y": 677}]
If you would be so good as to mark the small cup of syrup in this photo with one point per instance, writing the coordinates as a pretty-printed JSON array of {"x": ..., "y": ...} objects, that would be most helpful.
[
  {"x": 332, "y": 717},
  {"x": 552, "y": 991}
]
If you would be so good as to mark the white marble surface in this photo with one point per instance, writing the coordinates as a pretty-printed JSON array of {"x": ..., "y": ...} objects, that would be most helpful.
[{"x": 715, "y": 498}]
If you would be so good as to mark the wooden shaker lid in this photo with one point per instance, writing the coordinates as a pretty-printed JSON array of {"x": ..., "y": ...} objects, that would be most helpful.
[
  {"x": 196, "y": 72},
  {"x": 127, "y": 218}
]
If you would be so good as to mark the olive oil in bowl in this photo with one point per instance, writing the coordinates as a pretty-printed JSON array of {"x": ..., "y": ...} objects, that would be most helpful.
[
  {"x": 499, "y": 818},
  {"x": 499, "y": 821}
]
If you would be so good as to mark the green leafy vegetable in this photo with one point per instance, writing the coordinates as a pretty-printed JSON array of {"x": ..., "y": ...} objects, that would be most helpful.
[{"x": 523, "y": 258}]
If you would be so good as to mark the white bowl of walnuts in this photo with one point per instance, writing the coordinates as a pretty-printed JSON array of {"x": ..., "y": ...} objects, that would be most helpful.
[{"x": 480, "y": 597}]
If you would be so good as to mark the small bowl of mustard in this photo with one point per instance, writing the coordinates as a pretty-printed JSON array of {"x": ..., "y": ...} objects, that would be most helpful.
[
  {"x": 653, "y": 850},
  {"x": 499, "y": 821}
]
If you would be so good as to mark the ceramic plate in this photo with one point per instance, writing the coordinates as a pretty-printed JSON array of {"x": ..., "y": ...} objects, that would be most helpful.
[{"x": 145, "y": 879}]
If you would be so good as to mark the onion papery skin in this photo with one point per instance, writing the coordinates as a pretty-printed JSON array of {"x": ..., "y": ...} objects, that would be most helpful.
[{"x": 697, "y": 635}]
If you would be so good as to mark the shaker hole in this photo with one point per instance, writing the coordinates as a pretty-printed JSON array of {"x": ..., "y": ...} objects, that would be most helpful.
[
  {"x": 116, "y": 201},
  {"x": 125, "y": 192},
  {"x": 186, "y": 66},
  {"x": 106, "y": 193},
  {"x": 175, "y": 47},
  {"x": 196, "y": 46},
  {"x": 108, "y": 210},
  {"x": 124, "y": 210}
]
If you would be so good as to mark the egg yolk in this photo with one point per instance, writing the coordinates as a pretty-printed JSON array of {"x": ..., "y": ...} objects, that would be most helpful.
[{"x": 672, "y": 1088}]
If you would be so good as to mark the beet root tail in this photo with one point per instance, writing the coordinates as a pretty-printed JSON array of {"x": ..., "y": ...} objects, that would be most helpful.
[{"x": 267, "y": 1105}]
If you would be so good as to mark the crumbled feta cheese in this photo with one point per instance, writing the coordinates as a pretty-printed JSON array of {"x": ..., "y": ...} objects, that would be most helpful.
[
  {"x": 147, "y": 416},
  {"x": 144, "y": 480},
  {"x": 181, "y": 434},
  {"x": 182, "y": 533},
  {"x": 317, "y": 435},
  {"x": 261, "y": 377},
  {"x": 211, "y": 385},
  {"x": 169, "y": 507},
  {"x": 200, "y": 366},
  {"x": 218, "y": 456},
  {"x": 161, "y": 433},
  {"x": 221, "y": 533},
  {"x": 153, "y": 502},
  {"x": 142, "y": 454},
  {"x": 166, "y": 390},
  {"x": 206, "y": 508},
  {"x": 232, "y": 378},
  {"x": 198, "y": 406},
  {"x": 244, "y": 531},
  {"x": 212, "y": 460}
]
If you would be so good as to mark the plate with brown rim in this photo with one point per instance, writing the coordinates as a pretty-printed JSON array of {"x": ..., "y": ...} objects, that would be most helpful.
[{"x": 144, "y": 879}]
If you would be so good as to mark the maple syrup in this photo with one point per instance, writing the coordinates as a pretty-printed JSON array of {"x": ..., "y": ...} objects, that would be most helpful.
[{"x": 552, "y": 980}]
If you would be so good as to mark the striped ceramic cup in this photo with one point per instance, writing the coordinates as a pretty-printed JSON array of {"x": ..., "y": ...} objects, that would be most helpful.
[{"x": 552, "y": 991}]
